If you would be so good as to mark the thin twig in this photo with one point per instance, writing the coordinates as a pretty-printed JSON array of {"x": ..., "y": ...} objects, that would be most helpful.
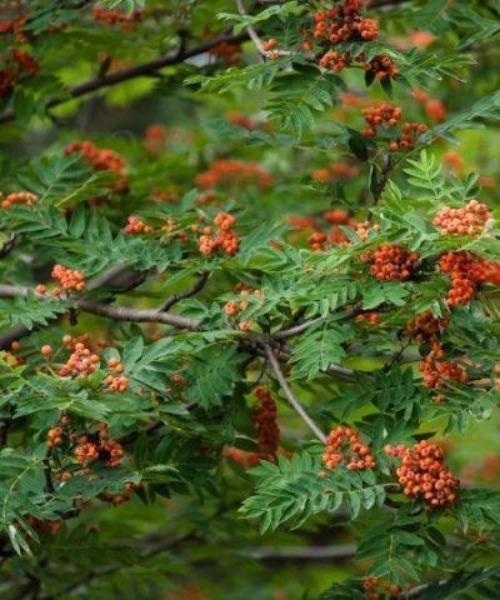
[
  {"x": 197, "y": 287},
  {"x": 47, "y": 471},
  {"x": 286, "y": 333},
  {"x": 299, "y": 409},
  {"x": 417, "y": 590},
  {"x": 387, "y": 3},
  {"x": 254, "y": 36},
  {"x": 8, "y": 246}
]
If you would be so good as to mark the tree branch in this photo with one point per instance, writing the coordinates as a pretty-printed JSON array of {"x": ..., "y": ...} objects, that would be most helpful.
[
  {"x": 119, "y": 313},
  {"x": 197, "y": 287},
  {"x": 120, "y": 276},
  {"x": 122, "y": 313},
  {"x": 301, "y": 552},
  {"x": 141, "y": 70},
  {"x": 290, "y": 396}
]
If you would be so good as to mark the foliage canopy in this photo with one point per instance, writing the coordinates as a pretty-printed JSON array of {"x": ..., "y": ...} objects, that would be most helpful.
[{"x": 249, "y": 299}]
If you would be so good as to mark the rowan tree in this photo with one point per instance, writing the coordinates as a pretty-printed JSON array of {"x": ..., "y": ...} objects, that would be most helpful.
[{"x": 249, "y": 289}]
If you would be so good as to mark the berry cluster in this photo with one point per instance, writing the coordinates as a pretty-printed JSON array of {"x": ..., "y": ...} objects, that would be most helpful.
[
  {"x": 265, "y": 420},
  {"x": 70, "y": 341},
  {"x": 382, "y": 66},
  {"x": 86, "y": 452},
  {"x": 409, "y": 136},
  {"x": 164, "y": 196},
  {"x": 424, "y": 475},
  {"x": 335, "y": 61},
  {"x": 421, "y": 39},
  {"x": 55, "y": 436},
  {"x": 344, "y": 24},
  {"x": 270, "y": 48},
  {"x": 243, "y": 458},
  {"x": 370, "y": 317},
  {"x": 434, "y": 108},
  {"x": 270, "y": 44},
  {"x": 334, "y": 171},
  {"x": 26, "y": 198},
  {"x": 377, "y": 116},
  {"x": 234, "y": 308},
  {"x": 12, "y": 360},
  {"x": 102, "y": 159},
  {"x": 488, "y": 470},
  {"x": 337, "y": 216},
  {"x": 26, "y": 63},
  {"x": 18, "y": 63},
  {"x": 232, "y": 173},
  {"x": 393, "y": 263},
  {"x": 14, "y": 26},
  {"x": 301, "y": 222},
  {"x": 349, "y": 99},
  {"x": 426, "y": 328},
  {"x": 375, "y": 589},
  {"x": 135, "y": 225},
  {"x": 81, "y": 362},
  {"x": 336, "y": 452},
  {"x": 229, "y": 53},
  {"x": 239, "y": 120},
  {"x": 155, "y": 138},
  {"x": 317, "y": 240},
  {"x": 116, "y": 382},
  {"x": 116, "y": 17},
  {"x": 69, "y": 279},
  {"x": 389, "y": 115},
  {"x": 100, "y": 446},
  {"x": 44, "y": 527},
  {"x": 465, "y": 274},
  {"x": 453, "y": 161},
  {"x": 436, "y": 372},
  {"x": 337, "y": 237},
  {"x": 490, "y": 272},
  {"x": 178, "y": 379},
  {"x": 222, "y": 239},
  {"x": 363, "y": 228},
  {"x": 469, "y": 220},
  {"x": 119, "y": 498}
]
